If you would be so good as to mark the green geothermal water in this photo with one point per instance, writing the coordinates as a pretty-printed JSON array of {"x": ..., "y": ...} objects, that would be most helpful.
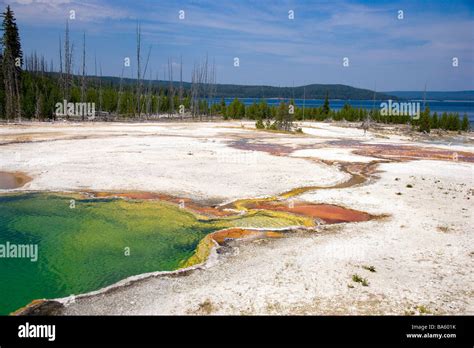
[{"x": 84, "y": 248}]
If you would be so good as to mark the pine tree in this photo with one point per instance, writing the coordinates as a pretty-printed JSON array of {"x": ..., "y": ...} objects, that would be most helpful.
[
  {"x": 11, "y": 37},
  {"x": 425, "y": 124},
  {"x": 443, "y": 123},
  {"x": 434, "y": 121},
  {"x": 12, "y": 62},
  {"x": 223, "y": 106},
  {"x": 465, "y": 123},
  {"x": 326, "y": 107},
  {"x": 241, "y": 110},
  {"x": 456, "y": 122}
]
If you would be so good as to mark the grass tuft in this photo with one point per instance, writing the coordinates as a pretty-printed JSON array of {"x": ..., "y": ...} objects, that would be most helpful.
[
  {"x": 369, "y": 268},
  {"x": 422, "y": 309}
]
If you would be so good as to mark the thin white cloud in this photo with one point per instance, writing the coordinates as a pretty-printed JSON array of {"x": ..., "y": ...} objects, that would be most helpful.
[{"x": 55, "y": 12}]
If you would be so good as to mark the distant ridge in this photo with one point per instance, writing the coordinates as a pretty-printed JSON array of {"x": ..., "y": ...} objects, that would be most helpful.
[
  {"x": 454, "y": 95},
  {"x": 313, "y": 91}
]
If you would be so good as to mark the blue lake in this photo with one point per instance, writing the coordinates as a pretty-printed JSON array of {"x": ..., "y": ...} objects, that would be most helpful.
[{"x": 460, "y": 107}]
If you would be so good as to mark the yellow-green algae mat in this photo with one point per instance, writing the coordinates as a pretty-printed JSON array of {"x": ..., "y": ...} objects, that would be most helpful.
[{"x": 86, "y": 244}]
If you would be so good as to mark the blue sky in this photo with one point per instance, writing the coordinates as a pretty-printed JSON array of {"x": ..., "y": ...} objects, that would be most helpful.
[{"x": 383, "y": 51}]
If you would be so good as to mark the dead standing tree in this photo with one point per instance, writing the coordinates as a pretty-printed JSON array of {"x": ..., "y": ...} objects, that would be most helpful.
[
  {"x": 144, "y": 75},
  {"x": 197, "y": 80},
  {"x": 139, "y": 72},
  {"x": 65, "y": 68},
  {"x": 37, "y": 67},
  {"x": 180, "y": 93},
  {"x": 212, "y": 86},
  {"x": 83, "y": 79},
  {"x": 11, "y": 81},
  {"x": 205, "y": 87},
  {"x": 61, "y": 74},
  {"x": 68, "y": 62},
  {"x": 170, "y": 88},
  {"x": 148, "y": 99},
  {"x": 193, "y": 92},
  {"x": 158, "y": 98},
  {"x": 202, "y": 87},
  {"x": 367, "y": 120},
  {"x": 100, "y": 88},
  {"x": 138, "y": 69},
  {"x": 119, "y": 97}
]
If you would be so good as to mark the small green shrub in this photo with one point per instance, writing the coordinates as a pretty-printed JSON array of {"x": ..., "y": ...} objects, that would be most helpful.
[{"x": 358, "y": 279}]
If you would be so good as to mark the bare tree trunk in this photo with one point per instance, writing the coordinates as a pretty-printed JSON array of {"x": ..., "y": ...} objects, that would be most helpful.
[
  {"x": 119, "y": 99},
  {"x": 159, "y": 95},
  {"x": 100, "y": 88},
  {"x": 304, "y": 100},
  {"x": 38, "y": 105},
  {"x": 181, "y": 85},
  {"x": 206, "y": 85},
  {"x": 202, "y": 87},
  {"x": 367, "y": 121},
  {"x": 170, "y": 89},
  {"x": 61, "y": 76},
  {"x": 148, "y": 97},
  {"x": 68, "y": 49},
  {"x": 144, "y": 73},
  {"x": 12, "y": 85},
  {"x": 213, "y": 84},
  {"x": 193, "y": 92},
  {"x": 83, "y": 81},
  {"x": 138, "y": 69},
  {"x": 18, "y": 95}
]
